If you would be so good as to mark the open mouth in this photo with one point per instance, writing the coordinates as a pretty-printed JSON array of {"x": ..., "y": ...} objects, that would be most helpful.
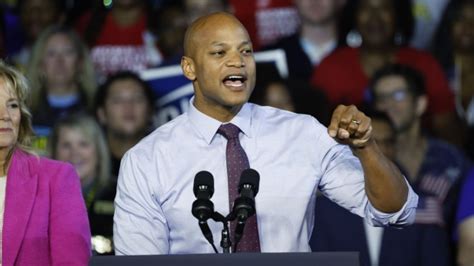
[{"x": 234, "y": 80}]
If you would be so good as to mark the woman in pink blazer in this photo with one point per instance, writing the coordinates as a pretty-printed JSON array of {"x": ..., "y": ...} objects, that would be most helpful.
[{"x": 44, "y": 216}]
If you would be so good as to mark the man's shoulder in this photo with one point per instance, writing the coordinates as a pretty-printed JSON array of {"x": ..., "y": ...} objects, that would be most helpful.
[
  {"x": 163, "y": 135},
  {"x": 444, "y": 149},
  {"x": 271, "y": 116},
  {"x": 443, "y": 156},
  {"x": 171, "y": 126}
]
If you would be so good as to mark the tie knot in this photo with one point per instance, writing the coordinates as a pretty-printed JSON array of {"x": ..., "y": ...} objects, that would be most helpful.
[{"x": 229, "y": 131}]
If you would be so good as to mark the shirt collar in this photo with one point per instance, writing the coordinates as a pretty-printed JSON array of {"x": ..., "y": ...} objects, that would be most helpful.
[{"x": 207, "y": 126}]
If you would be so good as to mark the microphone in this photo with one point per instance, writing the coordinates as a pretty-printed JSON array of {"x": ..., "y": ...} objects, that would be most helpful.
[
  {"x": 203, "y": 189},
  {"x": 203, "y": 208},
  {"x": 244, "y": 205}
]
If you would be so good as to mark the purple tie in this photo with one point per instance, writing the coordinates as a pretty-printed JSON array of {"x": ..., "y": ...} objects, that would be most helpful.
[{"x": 237, "y": 162}]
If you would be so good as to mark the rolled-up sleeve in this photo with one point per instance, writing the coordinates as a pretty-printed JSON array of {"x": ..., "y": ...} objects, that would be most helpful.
[
  {"x": 343, "y": 182},
  {"x": 405, "y": 216}
]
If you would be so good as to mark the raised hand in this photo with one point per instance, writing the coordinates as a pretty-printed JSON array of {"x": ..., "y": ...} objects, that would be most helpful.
[{"x": 350, "y": 126}]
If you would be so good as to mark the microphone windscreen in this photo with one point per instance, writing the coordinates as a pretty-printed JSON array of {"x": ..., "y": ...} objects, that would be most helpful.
[
  {"x": 251, "y": 177},
  {"x": 203, "y": 178}
]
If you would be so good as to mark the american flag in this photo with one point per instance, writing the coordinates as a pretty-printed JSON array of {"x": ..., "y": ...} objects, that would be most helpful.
[
  {"x": 429, "y": 211},
  {"x": 435, "y": 185}
]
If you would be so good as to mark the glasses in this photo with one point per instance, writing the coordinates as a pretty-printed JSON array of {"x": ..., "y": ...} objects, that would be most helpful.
[{"x": 394, "y": 96}]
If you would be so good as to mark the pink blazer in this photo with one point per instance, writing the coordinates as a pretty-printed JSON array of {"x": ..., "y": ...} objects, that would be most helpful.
[{"x": 45, "y": 218}]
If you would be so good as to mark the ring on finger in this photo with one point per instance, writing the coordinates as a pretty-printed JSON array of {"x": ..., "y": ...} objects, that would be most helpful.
[{"x": 357, "y": 122}]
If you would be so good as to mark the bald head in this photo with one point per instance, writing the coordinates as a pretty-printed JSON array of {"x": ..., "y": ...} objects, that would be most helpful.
[
  {"x": 219, "y": 61},
  {"x": 205, "y": 25}
]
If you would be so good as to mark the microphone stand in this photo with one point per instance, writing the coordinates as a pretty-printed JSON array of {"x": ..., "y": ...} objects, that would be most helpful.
[
  {"x": 239, "y": 231},
  {"x": 243, "y": 208},
  {"x": 226, "y": 243}
]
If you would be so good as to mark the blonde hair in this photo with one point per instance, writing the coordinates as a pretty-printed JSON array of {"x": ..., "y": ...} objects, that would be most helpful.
[
  {"x": 91, "y": 130},
  {"x": 18, "y": 84},
  {"x": 85, "y": 77}
]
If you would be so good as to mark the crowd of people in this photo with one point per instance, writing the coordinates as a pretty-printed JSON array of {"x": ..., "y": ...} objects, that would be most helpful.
[{"x": 407, "y": 64}]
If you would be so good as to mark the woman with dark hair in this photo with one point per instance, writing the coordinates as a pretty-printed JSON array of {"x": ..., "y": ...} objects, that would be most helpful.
[
  {"x": 293, "y": 95},
  {"x": 455, "y": 50},
  {"x": 43, "y": 216},
  {"x": 454, "y": 47},
  {"x": 124, "y": 107},
  {"x": 385, "y": 27}
]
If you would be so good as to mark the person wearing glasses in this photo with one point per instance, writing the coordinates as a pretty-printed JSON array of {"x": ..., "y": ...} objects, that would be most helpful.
[{"x": 433, "y": 167}]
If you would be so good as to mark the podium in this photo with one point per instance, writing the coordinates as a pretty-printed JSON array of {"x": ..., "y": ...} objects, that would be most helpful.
[{"x": 236, "y": 259}]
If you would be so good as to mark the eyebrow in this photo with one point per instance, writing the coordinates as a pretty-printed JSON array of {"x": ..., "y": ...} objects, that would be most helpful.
[{"x": 217, "y": 43}]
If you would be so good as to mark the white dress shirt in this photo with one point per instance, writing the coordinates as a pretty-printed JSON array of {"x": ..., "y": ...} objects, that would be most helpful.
[{"x": 293, "y": 154}]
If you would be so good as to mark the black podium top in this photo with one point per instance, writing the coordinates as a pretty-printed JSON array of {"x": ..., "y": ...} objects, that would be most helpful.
[{"x": 236, "y": 259}]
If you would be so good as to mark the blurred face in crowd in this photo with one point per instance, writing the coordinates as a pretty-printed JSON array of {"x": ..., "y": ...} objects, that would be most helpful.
[
  {"x": 198, "y": 8},
  {"x": 75, "y": 147},
  {"x": 126, "y": 112},
  {"x": 10, "y": 116},
  {"x": 277, "y": 95},
  {"x": 318, "y": 12},
  {"x": 171, "y": 36},
  {"x": 376, "y": 22},
  {"x": 384, "y": 135},
  {"x": 463, "y": 29},
  {"x": 36, "y": 15},
  {"x": 221, "y": 65},
  {"x": 60, "y": 60},
  {"x": 392, "y": 96}
]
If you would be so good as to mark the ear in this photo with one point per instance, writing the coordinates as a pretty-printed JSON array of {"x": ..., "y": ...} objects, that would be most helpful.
[
  {"x": 101, "y": 116},
  {"x": 187, "y": 65},
  {"x": 421, "y": 105}
]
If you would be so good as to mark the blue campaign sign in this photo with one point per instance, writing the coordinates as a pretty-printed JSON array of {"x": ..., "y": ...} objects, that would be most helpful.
[{"x": 173, "y": 91}]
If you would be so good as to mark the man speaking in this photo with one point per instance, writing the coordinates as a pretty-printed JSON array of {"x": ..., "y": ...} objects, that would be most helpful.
[{"x": 221, "y": 133}]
